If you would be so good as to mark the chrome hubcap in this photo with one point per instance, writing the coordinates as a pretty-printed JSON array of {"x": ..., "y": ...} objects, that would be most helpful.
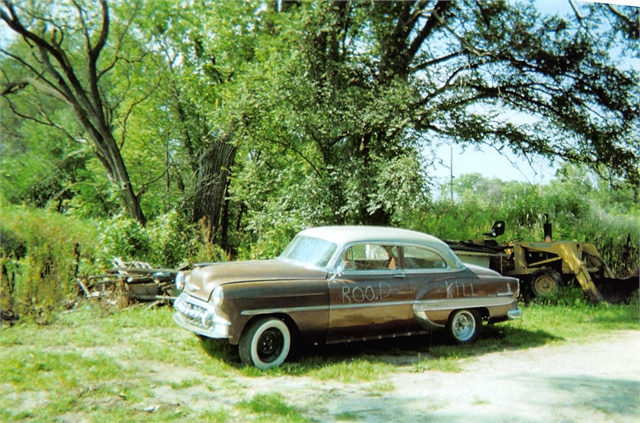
[{"x": 464, "y": 326}]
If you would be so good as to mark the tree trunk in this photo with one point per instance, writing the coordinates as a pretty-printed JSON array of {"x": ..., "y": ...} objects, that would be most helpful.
[
  {"x": 211, "y": 185},
  {"x": 56, "y": 74}
]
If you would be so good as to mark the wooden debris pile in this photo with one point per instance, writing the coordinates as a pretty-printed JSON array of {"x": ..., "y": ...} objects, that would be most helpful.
[{"x": 130, "y": 282}]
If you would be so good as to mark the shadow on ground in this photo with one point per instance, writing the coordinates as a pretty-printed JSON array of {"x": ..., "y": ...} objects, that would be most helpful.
[{"x": 400, "y": 351}]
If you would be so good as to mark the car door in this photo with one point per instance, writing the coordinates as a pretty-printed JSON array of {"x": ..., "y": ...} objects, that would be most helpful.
[{"x": 369, "y": 296}]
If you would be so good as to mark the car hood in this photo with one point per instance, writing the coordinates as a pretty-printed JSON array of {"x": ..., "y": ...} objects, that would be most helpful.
[{"x": 204, "y": 279}]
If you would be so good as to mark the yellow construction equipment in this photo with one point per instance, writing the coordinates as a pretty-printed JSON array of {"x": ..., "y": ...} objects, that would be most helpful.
[{"x": 545, "y": 267}]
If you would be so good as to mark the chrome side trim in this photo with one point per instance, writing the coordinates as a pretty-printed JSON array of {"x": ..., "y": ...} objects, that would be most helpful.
[
  {"x": 283, "y": 310},
  {"x": 370, "y": 338},
  {"x": 461, "y": 302},
  {"x": 323, "y": 307},
  {"x": 421, "y": 317},
  {"x": 418, "y": 306},
  {"x": 371, "y": 304}
]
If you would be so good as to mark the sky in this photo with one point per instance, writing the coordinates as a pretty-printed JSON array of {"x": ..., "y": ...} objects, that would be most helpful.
[
  {"x": 506, "y": 165},
  {"x": 491, "y": 164}
]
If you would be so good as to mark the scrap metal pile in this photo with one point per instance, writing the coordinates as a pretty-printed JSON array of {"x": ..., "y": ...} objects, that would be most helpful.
[{"x": 130, "y": 282}]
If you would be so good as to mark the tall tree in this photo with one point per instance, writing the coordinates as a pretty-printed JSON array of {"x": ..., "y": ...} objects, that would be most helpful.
[
  {"x": 375, "y": 82},
  {"x": 209, "y": 48},
  {"x": 71, "y": 54}
]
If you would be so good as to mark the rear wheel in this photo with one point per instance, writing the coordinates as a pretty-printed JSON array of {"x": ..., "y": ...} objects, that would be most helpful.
[
  {"x": 545, "y": 282},
  {"x": 265, "y": 343},
  {"x": 464, "y": 326}
]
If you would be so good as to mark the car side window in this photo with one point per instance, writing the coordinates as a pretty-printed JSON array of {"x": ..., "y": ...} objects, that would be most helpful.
[
  {"x": 370, "y": 257},
  {"x": 422, "y": 258}
]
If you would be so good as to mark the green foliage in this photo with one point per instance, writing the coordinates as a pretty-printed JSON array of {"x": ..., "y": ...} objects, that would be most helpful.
[
  {"x": 329, "y": 106},
  {"x": 442, "y": 364},
  {"x": 358, "y": 370},
  {"x": 167, "y": 241},
  {"x": 49, "y": 371},
  {"x": 571, "y": 296},
  {"x": 581, "y": 207},
  {"x": 41, "y": 254},
  {"x": 84, "y": 85}
]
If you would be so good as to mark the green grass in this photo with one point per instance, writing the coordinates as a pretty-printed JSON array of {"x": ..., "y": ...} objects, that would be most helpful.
[
  {"x": 347, "y": 417},
  {"x": 378, "y": 389},
  {"x": 364, "y": 369},
  {"x": 442, "y": 364},
  {"x": 134, "y": 365},
  {"x": 186, "y": 383},
  {"x": 272, "y": 408}
]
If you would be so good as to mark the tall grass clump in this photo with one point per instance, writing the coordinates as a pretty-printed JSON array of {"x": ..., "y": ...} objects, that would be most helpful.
[{"x": 41, "y": 254}]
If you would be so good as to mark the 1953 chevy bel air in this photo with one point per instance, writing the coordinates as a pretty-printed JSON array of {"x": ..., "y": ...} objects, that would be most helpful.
[{"x": 342, "y": 284}]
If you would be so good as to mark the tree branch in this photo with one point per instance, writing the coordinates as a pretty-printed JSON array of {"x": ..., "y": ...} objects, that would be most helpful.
[
  {"x": 119, "y": 44},
  {"x": 298, "y": 153},
  {"x": 130, "y": 110},
  {"x": 13, "y": 87},
  {"x": 430, "y": 25},
  {"x": 437, "y": 60}
]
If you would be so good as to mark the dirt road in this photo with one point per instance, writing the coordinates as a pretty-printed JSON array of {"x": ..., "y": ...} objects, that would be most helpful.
[{"x": 594, "y": 382}]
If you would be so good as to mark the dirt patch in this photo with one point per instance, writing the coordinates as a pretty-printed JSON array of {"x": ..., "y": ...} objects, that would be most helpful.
[
  {"x": 597, "y": 381},
  {"x": 592, "y": 382}
]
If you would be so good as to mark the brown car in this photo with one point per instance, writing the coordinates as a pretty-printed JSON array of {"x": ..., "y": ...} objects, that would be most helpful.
[{"x": 341, "y": 284}]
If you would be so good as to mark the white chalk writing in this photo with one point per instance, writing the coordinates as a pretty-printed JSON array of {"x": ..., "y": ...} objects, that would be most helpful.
[
  {"x": 367, "y": 293},
  {"x": 460, "y": 289}
]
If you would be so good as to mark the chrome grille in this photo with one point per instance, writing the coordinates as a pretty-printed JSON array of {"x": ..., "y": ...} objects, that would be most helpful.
[{"x": 192, "y": 313}]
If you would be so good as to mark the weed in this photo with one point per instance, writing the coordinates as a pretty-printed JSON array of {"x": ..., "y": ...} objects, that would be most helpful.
[
  {"x": 271, "y": 407},
  {"x": 379, "y": 389},
  {"x": 41, "y": 254},
  {"x": 363, "y": 369},
  {"x": 480, "y": 402},
  {"x": 347, "y": 417},
  {"x": 186, "y": 383},
  {"x": 442, "y": 364},
  {"x": 217, "y": 416}
]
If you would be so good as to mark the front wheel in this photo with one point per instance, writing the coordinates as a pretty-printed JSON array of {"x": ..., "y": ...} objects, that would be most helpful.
[
  {"x": 265, "y": 343},
  {"x": 545, "y": 282},
  {"x": 464, "y": 326}
]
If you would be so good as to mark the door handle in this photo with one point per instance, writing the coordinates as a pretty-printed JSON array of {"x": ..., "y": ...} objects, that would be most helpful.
[{"x": 399, "y": 275}]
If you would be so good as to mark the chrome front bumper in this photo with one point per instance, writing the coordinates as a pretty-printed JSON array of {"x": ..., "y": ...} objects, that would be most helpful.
[
  {"x": 200, "y": 317},
  {"x": 514, "y": 314}
]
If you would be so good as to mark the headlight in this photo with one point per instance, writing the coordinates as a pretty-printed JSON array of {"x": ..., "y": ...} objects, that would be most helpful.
[
  {"x": 181, "y": 280},
  {"x": 217, "y": 296}
]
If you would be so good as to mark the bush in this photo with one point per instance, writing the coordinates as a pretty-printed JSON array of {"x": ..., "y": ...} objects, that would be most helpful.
[
  {"x": 41, "y": 254},
  {"x": 167, "y": 241}
]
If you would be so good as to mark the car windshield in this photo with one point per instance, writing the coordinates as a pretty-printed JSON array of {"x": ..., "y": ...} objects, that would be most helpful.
[{"x": 309, "y": 251}]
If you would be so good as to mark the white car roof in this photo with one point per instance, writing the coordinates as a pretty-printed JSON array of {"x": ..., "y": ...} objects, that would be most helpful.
[{"x": 343, "y": 235}]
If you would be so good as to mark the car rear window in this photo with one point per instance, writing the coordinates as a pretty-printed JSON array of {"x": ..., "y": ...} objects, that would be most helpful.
[{"x": 422, "y": 258}]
